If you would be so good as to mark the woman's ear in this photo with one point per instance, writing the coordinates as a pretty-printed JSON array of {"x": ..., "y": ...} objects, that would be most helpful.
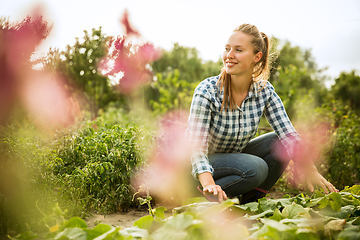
[{"x": 257, "y": 57}]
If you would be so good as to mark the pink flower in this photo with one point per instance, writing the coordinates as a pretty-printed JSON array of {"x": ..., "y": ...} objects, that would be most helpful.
[
  {"x": 38, "y": 92},
  {"x": 128, "y": 28},
  {"x": 168, "y": 169},
  {"x": 130, "y": 60}
]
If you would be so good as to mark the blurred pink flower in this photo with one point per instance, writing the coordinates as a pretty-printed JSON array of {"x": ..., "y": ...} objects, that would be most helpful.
[
  {"x": 310, "y": 152},
  {"x": 38, "y": 92},
  {"x": 168, "y": 169},
  {"x": 126, "y": 23},
  {"x": 18, "y": 41},
  {"x": 47, "y": 102},
  {"x": 130, "y": 60}
]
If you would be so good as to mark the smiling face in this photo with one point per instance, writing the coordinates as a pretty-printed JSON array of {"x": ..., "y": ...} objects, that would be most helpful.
[{"x": 239, "y": 57}]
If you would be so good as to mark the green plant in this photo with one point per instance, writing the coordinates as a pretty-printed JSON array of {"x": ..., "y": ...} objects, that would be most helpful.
[
  {"x": 331, "y": 216},
  {"x": 94, "y": 167},
  {"x": 343, "y": 155}
]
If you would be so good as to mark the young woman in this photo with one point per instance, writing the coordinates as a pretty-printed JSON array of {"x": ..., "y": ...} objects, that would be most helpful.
[{"x": 224, "y": 117}]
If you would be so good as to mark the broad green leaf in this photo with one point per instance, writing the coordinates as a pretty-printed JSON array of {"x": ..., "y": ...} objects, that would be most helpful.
[
  {"x": 159, "y": 212},
  {"x": 144, "y": 222},
  {"x": 277, "y": 216},
  {"x": 293, "y": 211},
  {"x": 266, "y": 204},
  {"x": 313, "y": 225},
  {"x": 194, "y": 207},
  {"x": 355, "y": 221},
  {"x": 350, "y": 199},
  {"x": 278, "y": 225},
  {"x": 28, "y": 235},
  {"x": 109, "y": 234},
  {"x": 222, "y": 206},
  {"x": 135, "y": 232},
  {"x": 167, "y": 233},
  {"x": 75, "y": 222},
  {"x": 71, "y": 233},
  {"x": 305, "y": 234},
  {"x": 317, "y": 194},
  {"x": 336, "y": 203},
  {"x": 97, "y": 230},
  {"x": 328, "y": 211},
  {"x": 334, "y": 225},
  {"x": 251, "y": 206},
  {"x": 274, "y": 230},
  {"x": 180, "y": 221},
  {"x": 354, "y": 189},
  {"x": 333, "y": 200},
  {"x": 350, "y": 233},
  {"x": 283, "y": 202},
  {"x": 260, "y": 215}
]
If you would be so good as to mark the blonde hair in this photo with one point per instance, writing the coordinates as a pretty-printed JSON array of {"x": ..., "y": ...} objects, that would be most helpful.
[{"x": 260, "y": 43}]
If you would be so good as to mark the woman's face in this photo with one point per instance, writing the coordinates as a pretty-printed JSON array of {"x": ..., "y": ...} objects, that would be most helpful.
[{"x": 238, "y": 57}]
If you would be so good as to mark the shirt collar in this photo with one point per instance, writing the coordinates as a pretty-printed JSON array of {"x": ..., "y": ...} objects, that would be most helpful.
[{"x": 253, "y": 92}]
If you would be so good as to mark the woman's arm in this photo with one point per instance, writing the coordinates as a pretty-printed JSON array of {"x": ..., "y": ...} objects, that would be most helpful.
[
  {"x": 198, "y": 134},
  {"x": 279, "y": 121}
]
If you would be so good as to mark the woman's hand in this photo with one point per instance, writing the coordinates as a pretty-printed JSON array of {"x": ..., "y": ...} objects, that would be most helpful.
[
  {"x": 209, "y": 186},
  {"x": 315, "y": 178},
  {"x": 215, "y": 190}
]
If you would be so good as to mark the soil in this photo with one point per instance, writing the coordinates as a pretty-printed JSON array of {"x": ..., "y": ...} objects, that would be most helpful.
[
  {"x": 127, "y": 219},
  {"x": 119, "y": 219}
]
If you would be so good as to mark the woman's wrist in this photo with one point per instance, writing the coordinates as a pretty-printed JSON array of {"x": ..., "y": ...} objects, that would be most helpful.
[{"x": 206, "y": 179}]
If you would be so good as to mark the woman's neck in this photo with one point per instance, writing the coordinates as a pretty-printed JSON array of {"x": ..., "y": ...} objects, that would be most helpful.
[{"x": 240, "y": 84}]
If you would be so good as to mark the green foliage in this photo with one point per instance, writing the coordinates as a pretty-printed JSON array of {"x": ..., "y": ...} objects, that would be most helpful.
[
  {"x": 175, "y": 94},
  {"x": 190, "y": 66},
  {"x": 343, "y": 156},
  {"x": 331, "y": 216},
  {"x": 347, "y": 89},
  {"x": 84, "y": 168},
  {"x": 24, "y": 179},
  {"x": 294, "y": 72},
  {"x": 79, "y": 63},
  {"x": 177, "y": 73},
  {"x": 94, "y": 167}
]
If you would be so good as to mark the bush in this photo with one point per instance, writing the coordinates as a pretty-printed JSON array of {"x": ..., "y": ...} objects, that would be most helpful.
[
  {"x": 25, "y": 182},
  {"x": 343, "y": 155},
  {"x": 94, "y": 167}
]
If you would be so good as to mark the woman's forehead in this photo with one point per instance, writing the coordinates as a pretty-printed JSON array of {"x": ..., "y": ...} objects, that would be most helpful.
[{"x": 239, "y": 38}]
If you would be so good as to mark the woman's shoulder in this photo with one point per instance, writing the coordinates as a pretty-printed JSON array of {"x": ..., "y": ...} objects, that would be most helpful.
[
  {"x": 207, "y": 86},
  {"x": 265, "y": 87}
]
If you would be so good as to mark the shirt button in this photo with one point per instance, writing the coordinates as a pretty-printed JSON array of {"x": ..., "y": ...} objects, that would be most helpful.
[{"x": 241, "y": 129}]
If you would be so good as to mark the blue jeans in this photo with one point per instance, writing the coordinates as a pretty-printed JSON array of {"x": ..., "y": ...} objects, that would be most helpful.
[{"x": 257, "y": 166}]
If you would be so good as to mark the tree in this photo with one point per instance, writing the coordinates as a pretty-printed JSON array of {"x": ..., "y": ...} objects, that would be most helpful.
[
  {"x": 347, "y": 89},
  {"x": 180, "y": 64},
  {"x": 174, "y": 93},
  {"x": 79, "y": 63},
  {"x": 294, "y": 72}
]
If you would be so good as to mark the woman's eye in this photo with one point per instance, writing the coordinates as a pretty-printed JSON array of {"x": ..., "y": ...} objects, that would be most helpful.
[
  {"x": 227, "y": 49},
  {"x": 238, "y": 50}
]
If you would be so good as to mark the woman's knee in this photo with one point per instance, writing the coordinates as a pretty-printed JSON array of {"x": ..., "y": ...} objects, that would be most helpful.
[{"x": 259, "y": 170}]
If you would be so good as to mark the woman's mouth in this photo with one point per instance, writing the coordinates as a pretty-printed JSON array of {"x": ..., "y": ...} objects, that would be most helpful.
[{"x": 230, "y": 64}]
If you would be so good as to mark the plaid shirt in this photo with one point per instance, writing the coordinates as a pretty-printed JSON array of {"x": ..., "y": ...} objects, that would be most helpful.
[{"x": 213, "y": 131}]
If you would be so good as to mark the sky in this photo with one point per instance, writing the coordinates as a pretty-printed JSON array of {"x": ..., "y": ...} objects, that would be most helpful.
[{"x": 330, "y": 28}]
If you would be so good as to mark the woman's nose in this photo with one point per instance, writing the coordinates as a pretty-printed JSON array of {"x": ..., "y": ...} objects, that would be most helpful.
[{"x": 230, "y": 54}]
